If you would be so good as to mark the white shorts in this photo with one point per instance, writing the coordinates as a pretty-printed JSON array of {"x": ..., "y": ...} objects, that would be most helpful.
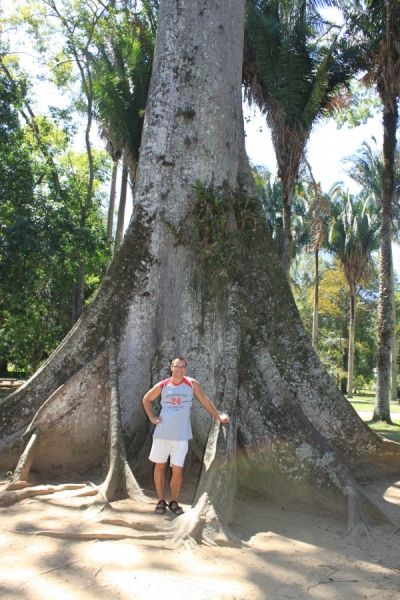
[{"x": 161, "y": 449}]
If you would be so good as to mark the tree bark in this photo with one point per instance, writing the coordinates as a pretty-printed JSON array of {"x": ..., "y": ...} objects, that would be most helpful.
[
  {"x": 233, "y": 317},
  {"x": 315, "y": 311},
  {"x": 287, "y": 231},
  {"x": 385, "y": 314},
  {"x": 352, "y": 336},
  {"x": 78, "y": 294},
  {"x": 119, "y": 235},
  {"x": 393, "y": 349},
  {"x": 111, "y": 205}
]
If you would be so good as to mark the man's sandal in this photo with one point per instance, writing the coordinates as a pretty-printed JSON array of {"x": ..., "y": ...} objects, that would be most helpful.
[
  {"x": 175, "y": 508},
  {"x": 161, "y": 506}
]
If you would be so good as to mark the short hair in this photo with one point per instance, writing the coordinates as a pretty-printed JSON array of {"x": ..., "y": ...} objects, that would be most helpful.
[{"x": 179, "y": 358}]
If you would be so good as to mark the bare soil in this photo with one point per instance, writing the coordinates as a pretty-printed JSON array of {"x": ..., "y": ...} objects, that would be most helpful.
[{"x": 293, "y": 551}]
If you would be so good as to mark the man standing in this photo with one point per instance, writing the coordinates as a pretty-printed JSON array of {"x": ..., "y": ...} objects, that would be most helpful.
[{"x": 173, "y": 429}]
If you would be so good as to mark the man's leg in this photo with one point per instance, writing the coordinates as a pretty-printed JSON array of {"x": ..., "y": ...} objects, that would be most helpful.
[
  {"x": 159, "y": 479},
  {"x": 176, "y": 482}
]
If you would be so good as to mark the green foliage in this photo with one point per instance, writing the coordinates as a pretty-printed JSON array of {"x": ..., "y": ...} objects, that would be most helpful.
[
  {"x": 334, "y": 318},
  {"x": 296, "y": 62},
  {"x": 211, "y": 238},
  {"x": 269, "y": 190},
  {"x": 365, "y": 167},
  {"x": 355, "y": 106},
  {"x": 270, "y": 193},
  {"x": 43, "y": 235},
  {"x": 52, "y": 198},
  {"x": 121, "y": 66},
  {"x": 295, "y": 65},
  {"x": 354, "y": 234}
]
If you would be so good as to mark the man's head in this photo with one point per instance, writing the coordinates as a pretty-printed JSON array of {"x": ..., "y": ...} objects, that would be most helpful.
[{"x": 178, "y": 366}]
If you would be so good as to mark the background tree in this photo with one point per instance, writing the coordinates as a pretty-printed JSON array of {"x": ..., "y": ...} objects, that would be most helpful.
[
  {"x": 42, "y": 243},
  {"x": 334, "y": 319},
  {"x": 270, "y": 192},
  {"x": 76, "y": 23},
  {"x": 294, "y": 68},
  {"x": 16, "y": 176},
  {"x": 318, "y": 215},
  {"x": 366, "y": 169},
  {"x": 353, "y": 236},
  {"x": 379, "y": 22},
  {"x": 42, "y": 189},
  {"x": 357, "y": 106},
  {"x": 121, "y": 76}
]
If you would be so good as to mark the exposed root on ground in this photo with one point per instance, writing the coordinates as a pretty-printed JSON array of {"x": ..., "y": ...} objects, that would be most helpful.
[
  {"x": 200, "y": 524},
  {"x": 119, "y": 480},
  {"x": 16, "y": 495},
  {"x": 357, "y": 524},
  {"x": 359, "y": 505},
  {"x": 23, "y": 467},
  {"x": 119, "y": 477}
]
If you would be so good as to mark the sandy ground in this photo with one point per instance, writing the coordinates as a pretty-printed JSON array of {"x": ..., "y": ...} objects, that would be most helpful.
[{"x": 294, "y": 552}]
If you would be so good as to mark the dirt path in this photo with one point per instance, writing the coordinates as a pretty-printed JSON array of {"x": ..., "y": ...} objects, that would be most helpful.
[{"x": 294, "y": 552}]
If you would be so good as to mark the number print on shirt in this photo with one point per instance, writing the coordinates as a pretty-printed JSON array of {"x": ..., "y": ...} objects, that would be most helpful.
[{"x": 175, "y": 401}]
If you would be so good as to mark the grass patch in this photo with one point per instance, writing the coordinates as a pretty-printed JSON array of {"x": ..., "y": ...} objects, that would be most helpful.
[
  {"x": 364, "y": 403},
  {"x": 390, "y": 432},
  {"x": 362, "y": 406}
]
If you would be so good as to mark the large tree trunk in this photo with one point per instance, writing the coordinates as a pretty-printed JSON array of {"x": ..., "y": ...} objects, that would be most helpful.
[{"x": 232, "y": 315}]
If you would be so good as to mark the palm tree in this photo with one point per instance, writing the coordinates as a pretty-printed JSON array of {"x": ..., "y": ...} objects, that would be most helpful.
[
  {"x": 366, "y": 169},
  {"x": 121, "y": 78},
  {"x": 270, "y": 192},
  {"x": 294, "y": 67},
  {"x": 318, "y": 215},
  {"x": 353, "y": 236},
  {"x": 379, "y": 22}
]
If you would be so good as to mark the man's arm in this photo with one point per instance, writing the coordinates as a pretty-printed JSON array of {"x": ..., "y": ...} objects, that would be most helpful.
[
  {"x": 148, "y": 398},
  {"x": 208, "y": 405}
]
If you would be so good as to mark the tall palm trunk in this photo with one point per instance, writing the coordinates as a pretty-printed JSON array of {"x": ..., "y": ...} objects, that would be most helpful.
[
  {"x": 385, "y": 317},
  {"x": 315, "y": 313},
  {"x": 352, "y": 335},
  {"x": 122, "y": 204},
  {"x": 287, "y": 233},
  {"x": 78, "y": 294},
  {"x": 387, "y": 78},
  {"x": 111, "y": 205},
  {"x": 393, "y": 349}
]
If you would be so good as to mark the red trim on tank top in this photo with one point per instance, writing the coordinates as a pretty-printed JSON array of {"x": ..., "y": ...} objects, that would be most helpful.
[{"x": 186, "y": 380}]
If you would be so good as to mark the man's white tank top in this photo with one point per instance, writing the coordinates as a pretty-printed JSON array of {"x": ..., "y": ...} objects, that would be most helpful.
[{"x": 176, "y": 402}]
